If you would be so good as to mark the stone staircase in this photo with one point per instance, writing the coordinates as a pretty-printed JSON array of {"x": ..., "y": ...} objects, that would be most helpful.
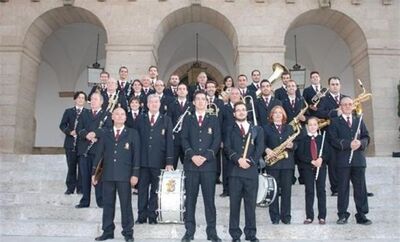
[{"x": 32, "y": 205}]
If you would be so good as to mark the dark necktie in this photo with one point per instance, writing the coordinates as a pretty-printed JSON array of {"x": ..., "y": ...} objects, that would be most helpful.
[
  {"x": 182, "y": 105},
  {"x": 242, "y": 131},
  {"x": 117, "y": 134},
  {"x": 152, "y": 120},
  {"x": 313, "y": 148},
  {"x": 134, "y": 116},
  {"x": 78, "y": 111},
  {"x": 292, "y": 103},
  {"x": 94, "y": 113},
  {"x": 348, "y": 121},
  {"x": 279, "y": 127},
  {"x": 337, "y": 99},
  {"x": 266, "y": 102},
  {"x": 316, "y": 89},
  {"x": 200, "y": 121},
  {"x": 122, "y": 85}
]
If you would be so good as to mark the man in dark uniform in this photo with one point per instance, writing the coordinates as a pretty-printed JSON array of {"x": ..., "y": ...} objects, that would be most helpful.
[
  {"x": 211, "y": 88},
  {"x": 328, "y": 109},
  {"x": 351, "y": 163},
  {"x": 155, "y": 130},
  {"x": 133, "y": 116},
  {"x": 310, "y": 91},
  {"x": 120, "y": 151},
  {"x": 293, "y": 103},
  {"x": 200, "y": 85},
  {"x": 100, "y": 87},
  {"x": 228, "y": 120},
  {"x": 175, "y": 111},
  {"x": 172, "y": 90},
  {"x": 90, "y": 131},
  {"x": 124, "y": 85},
  {"x": 255, "y": 85},
  {"x": 281, "y": 93},
  {"x": 147, "y": 89},
  {"x": 243, "y": 180},
  {"x": 153, "y": 74},
  {"x": 68, "y": 125},
  {"x": 112, "y": 93},
  {"x": 201, "y": 139},
  {"x": 265, "y": 103},
  {"x": 165, "y": 100}
]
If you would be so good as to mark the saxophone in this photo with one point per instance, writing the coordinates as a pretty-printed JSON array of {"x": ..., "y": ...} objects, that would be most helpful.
[
  {"x": 295, "y": 123},
  {"x": 280, "y": 150}
]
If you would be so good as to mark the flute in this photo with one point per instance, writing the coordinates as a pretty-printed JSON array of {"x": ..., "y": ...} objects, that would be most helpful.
[
  {"x": 355, "y": 137},
  {"x": 320, "y": 153}
]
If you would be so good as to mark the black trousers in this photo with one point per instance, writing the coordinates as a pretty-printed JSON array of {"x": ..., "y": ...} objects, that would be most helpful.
[
  {"x": 74, "y": 177},
  {"x": 110, "y": 189},
  {"x": 178, "y": 153},
  {"x": 220, "y": 158},
  {"x": 245, "y": 188},
  {"x": 310, "y": 184},
  {"x": 195, "y": 179},
  {"x": 357, "y": 177},
  {"x": 147, "y": 202},
  {"x": 332, "y": 170},
  {"x": 283, "y": 179},
  {"x": 226, "y": 171},
  {"x": 86, "y": 164}
]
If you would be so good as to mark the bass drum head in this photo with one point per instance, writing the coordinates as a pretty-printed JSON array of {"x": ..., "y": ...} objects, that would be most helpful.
[{"x": 267, "y": 190}]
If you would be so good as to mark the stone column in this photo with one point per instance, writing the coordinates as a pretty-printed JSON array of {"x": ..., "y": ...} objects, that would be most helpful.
[
  {"x": 137, "y": 58},
  {"x": 18, "y": 74},
  {"x": 259, "y": 57},
  {"x": 384, "y": 69}
]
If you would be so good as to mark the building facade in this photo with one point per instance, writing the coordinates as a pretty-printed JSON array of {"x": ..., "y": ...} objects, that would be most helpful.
[{"x": 46, "y": 45}]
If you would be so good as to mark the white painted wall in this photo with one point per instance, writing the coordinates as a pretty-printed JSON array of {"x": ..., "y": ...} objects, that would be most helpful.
[
  {"x": 321, "y": 49},
  {"x": 65, "y": 56}
]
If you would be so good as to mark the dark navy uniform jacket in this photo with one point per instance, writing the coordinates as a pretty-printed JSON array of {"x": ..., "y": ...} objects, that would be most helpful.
[
  {"x": 327, "y": 106},
  {"x": 303, "y": 151},
  {"x": 290, "y": 111},
  {"x": 262, "y": 111},
  {"x": 156, "y": 142},
  {"x": 121, "y": 158},
  {"x": 67, "y": 125},
  {"x": 340, "y": 137},
  {"x": 281, "y": 93},
  {"x": 204, "y": 141},
  {"x": 273, "y": 139},
  {"x": 89, "y": 123},
  {"x": 234, "y": 146}
]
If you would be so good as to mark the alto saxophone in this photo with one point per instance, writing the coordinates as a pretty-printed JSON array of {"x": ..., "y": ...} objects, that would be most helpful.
[
  {"x": 295, "y": 123},
  {"x": 280, "y": 150}
]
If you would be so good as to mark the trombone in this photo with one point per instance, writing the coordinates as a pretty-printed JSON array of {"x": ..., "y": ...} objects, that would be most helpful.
[{"x": 252, "y": 110}]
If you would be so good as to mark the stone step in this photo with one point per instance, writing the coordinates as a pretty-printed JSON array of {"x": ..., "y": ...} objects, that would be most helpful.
[{"x": 268, "y": 232}]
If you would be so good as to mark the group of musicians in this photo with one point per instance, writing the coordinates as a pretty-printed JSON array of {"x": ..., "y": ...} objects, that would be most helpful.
[{"x": 134, "y": 129}]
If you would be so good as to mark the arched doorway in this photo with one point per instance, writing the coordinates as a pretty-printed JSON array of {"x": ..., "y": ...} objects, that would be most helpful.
[
  {"x": 212, "y": 72},
  {"x": 59, "y": 45},
  {"x": 341, "y": 50},
  {"x": 175, "y": 42}
]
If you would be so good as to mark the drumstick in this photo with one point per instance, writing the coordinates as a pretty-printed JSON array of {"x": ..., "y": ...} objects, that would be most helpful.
[{"x": 320, "y": 154}]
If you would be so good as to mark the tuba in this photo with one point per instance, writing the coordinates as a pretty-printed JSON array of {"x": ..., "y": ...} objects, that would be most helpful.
[
  {"x": 280, "y": 150},
  {"x": 277, "y": 69}
]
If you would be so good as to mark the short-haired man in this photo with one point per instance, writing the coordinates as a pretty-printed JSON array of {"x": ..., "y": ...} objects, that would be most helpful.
[{"x": 172, "y": 90}]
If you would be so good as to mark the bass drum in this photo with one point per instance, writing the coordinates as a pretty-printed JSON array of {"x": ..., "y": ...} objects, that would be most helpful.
[
  {"x": 171, "y": 197},
  {"x": 267, "y": 190}
]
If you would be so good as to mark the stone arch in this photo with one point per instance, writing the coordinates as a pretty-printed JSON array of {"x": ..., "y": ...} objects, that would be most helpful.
[
  {"x": 37, "y": 33},
  {"x": 192, "y": 14},
  {"x": 352, "y": 34}
]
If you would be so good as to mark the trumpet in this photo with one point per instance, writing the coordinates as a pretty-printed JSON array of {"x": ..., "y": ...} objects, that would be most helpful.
[
  {"x": 212, "y": 109},
  {"x": 295, "y": 123},
  {"x": 112, "y": 102},
  {"x": 178, "y": 125},
  {"x": 280, "y": 151},
  {"x": 317, "y": 97},
  {"x": 362, "y": 97},
  {"x": 252, "y": 110}
]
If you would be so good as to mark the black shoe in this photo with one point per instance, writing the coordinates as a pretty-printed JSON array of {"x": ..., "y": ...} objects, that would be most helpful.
[
  {"x": 254, "y": 240},
  {"x": 81, "y": 206},
  {"x": 218, "y": 181},
  {"x": 342, "y": 220},
  {"x": 286, "y": 222},
  {"x": 152, "y": 221},
  {"x": 128, "y": 239},
  {"x": 214, "y": 238},
  {"x": 141, "y": 221},
  {"x": 104, "y": 237},
  {"x": 68, "y": 192},
  {"x": 187, "y": 238},
  {"x": 236, "y": 240},
  {"x": 364, "y": 221},
  {"x": 370, "y": 194},
  {"x": 275, "y": 222},
  {"x": 224, "y": 194},
  {"x": 78, "y": 191},
  {"x": 334, "y": 194}
]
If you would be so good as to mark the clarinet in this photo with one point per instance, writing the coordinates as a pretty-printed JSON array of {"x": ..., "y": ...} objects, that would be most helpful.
[
  {"x": 76, "y": 125},
  {"x": 92, "y": 142}
]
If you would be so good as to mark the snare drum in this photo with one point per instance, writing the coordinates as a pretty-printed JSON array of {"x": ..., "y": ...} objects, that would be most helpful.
[
  {"x": 171, "y": 197},
  {"x": 267, "y": 190}
]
